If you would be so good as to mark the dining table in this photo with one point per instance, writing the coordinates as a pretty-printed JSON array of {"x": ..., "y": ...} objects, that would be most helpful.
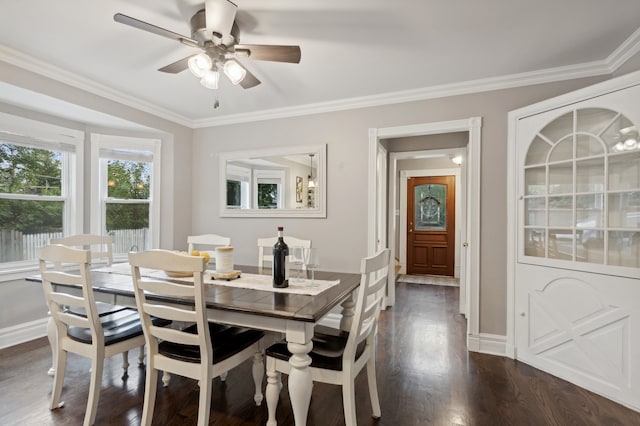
[{"x": 292, "y": 312}]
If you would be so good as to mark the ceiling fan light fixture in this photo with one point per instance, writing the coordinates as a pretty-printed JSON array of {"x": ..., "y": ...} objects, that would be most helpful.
[
  {"x": 234, "y": 71},
  {"x": 199, "y": 64},
  {"x": 210, "y": 79}
]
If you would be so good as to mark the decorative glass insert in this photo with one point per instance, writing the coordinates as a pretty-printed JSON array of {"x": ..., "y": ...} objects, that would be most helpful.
[
  {"x": 581, "y": 190},
  {"x": 430, "y": 203}
]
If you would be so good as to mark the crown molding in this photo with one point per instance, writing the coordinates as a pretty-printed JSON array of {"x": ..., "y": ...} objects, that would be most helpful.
[
  {"x": 615, "y": 60},
  {"x": 45, "y": 69}
]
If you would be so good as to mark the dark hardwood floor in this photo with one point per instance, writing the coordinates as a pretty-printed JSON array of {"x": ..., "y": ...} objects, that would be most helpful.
[{"x": 425, "y": 377}]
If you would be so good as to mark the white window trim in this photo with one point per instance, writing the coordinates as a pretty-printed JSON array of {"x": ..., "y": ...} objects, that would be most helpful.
[
  {"x": 243, "y": 175},
  {"x": 100, "y": 142}
]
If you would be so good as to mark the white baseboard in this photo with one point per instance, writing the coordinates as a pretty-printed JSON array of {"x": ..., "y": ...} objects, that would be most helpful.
[
  {"x": 21, "y": 333},
  {"x": 492, "y": 344}
]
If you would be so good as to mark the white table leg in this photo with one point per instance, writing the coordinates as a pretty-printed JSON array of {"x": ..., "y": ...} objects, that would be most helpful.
[
  {"x": 348, "y": 311},
  {"x": 52, "y": 335},
  {"x": 300, "y": 383}
]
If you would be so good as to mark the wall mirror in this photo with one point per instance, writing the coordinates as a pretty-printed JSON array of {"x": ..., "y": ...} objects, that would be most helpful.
[{"x": 274, "y": 182}]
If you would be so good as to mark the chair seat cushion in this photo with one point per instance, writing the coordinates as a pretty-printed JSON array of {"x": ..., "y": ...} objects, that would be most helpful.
[
  {"x": 117, "y": 326},
  {"x": 226, "y": 341},
  {"x": 103, "y": 309},
  {"x": 328, "y": 348}
]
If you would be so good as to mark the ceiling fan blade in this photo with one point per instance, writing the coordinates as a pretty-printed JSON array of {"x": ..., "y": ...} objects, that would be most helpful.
[
  {"x": 177, "y": 66},
  {"x": 262, "y": 52},
  {"x": 219, "y": 16},
  {"x": 249, "y": 80},
  {"x": 145, "y": 26}
]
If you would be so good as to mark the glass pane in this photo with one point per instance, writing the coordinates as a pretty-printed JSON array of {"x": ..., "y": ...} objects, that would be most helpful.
[
  {"x": 561, "y": 178},
  {"x": 27, "y": 225},
  {"x": 30, "y": 170},
  {"x": 128, "y": 224},
  {"x": 128, "y": 179},
  {"x": 534, "y": 242},
  {"x": 563, "y": 150},
  {"x": 430, "y": 203},
  {"x": 267, "y": 195},
  {"x": 590, "y": 175},
  {"x": 535, "y": 211},
  {"x": 561, "y": 211},
  {"x": 624, "y": 171},
  {"x": 593, "y": 120},
  {"x": 234, "y": 193},
  {"x": 588, "y": 146},
  {"x": 612, "y": 136},
  {"x": 538, "y": 151},
  {"x": 561, "y": 244},
  {"x": 590, "y": 246},
  {"x": 624, "y": 210},
  {"x": 624, "y": 249},
  {"x": 535, "y": 181},
  {"x": 559, "y": 128},
  {"x": 590, "y": 211}
]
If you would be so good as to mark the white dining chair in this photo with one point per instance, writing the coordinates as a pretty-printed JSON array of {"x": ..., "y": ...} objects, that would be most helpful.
[
  {"x": 101, "y": 246},
  {"x": 266, "y": 244},
  {"x": 207, "y": 242},
  {"x": 337, "y": 357},
  {"x": 201, "y": 351},
  {"x": 92, "y": 336}
]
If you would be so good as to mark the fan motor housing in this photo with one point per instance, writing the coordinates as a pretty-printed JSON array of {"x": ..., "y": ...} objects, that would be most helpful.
[{"x": 201, "y": 33}]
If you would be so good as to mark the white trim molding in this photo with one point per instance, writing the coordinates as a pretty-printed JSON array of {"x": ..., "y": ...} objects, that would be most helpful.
[
  {"x": 491, "y": 344},
  {"x": 14, "y": 335}
]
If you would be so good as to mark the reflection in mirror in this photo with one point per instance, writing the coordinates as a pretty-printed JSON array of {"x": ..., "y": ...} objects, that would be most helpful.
[{"x": 277, "y": 182}]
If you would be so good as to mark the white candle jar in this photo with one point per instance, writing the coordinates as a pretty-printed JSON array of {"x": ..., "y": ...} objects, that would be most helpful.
[{"x": 224, "y": 259}]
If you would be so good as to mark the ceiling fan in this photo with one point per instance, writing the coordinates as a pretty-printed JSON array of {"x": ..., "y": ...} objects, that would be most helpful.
[{"x": 214, "y": 30}]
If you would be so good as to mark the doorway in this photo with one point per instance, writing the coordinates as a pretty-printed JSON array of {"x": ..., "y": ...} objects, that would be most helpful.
[{"x": 469, "y": 285}]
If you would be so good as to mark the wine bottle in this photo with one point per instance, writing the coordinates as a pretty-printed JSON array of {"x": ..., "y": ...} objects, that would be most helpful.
[{"x": 280, "y": 262}]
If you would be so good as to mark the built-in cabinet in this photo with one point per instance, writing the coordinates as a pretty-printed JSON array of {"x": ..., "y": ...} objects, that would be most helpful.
[{"x": 576, "y": 234}]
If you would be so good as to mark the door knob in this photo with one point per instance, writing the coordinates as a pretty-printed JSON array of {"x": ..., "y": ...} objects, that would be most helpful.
[
  {"x": 465, "y": 244},
  {"x": 410, "y": 230}
]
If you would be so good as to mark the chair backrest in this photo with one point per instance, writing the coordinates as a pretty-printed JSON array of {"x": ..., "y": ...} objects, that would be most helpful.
[
  {"x": 373, "y": 284},
  {"x": 60, "y": 303},
  {"x": 212, "y": 240},
  {"x": 101, "y": 246},
  {"x": 266, "y": 244},
  {"x": 177, "y": 262}
]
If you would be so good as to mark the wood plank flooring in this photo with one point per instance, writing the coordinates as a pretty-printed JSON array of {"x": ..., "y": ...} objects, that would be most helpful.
[{"x": 425, "y": 377}]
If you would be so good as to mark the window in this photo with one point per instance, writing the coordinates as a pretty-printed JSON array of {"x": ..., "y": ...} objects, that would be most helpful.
[
  {"x": 125, "y": 170},
  {"x": 268, "y": 189},
  {"x": 238, "y": 189},
  {"x": 38, "y": 190}
]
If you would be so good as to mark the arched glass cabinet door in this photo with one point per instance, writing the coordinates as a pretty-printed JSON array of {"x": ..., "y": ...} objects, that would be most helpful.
[{"x": 582, "y": 190}]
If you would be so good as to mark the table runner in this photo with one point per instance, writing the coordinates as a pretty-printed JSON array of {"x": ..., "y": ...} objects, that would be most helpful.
[{"x": 246, "y": 280}]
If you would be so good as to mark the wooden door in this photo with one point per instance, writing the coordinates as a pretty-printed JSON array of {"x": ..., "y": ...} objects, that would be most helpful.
[{"x": 431, "y": 225}]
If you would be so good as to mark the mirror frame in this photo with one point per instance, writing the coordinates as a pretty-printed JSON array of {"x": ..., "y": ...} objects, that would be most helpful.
[{"x": 320, "y": 211}]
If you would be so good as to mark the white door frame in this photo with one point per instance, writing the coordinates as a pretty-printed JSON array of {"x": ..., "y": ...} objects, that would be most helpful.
[{"x": 472, "y": 125}]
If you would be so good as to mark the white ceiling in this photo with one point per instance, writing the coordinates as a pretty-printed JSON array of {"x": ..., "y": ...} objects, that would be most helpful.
[{"x": 354, "y": 52}]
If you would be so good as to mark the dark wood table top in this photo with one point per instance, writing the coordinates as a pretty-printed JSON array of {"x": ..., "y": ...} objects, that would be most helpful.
[{"x": 262, "y": 302}]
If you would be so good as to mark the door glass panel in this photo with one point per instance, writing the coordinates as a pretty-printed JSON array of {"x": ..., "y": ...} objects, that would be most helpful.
[
  {"x": 535, "y": 181},
  {"x": 430, "y": 203},
  {"x": 561, "y": 211},
  {"x": 590, "y": 175},
  {"x": 624, "y": 210},
  {"x": 590, "y": 246},
  {"x": 535, "y": 211},
  {"x": 534, "y": 242},
  {"x": 624, "y": 249},
  {"x": 624, "y": 171},
  {"x": 561, "y": 244},
  {"x": 590, "y": 211},
  {"x": 559, "y": 128},
  {"x": 561, "y": 178},
  {"x": 593, "y": 120},
  {"x": 538, "y": 151},
  {"x": 563, "y": 150},
  {"x": 588, "y": 146}
]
